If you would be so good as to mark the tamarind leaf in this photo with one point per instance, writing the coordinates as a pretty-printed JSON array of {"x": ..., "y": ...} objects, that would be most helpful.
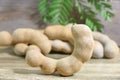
[
  {"x": 106, "y": 15},
  {"x": 54, "y": 12},
  {"x": 89, "y": 23},
  {"x": 109, "y": 19},
  {"x": 60, "y": 11},
  {"x": 43, "y": 6},
  {"x": 91, "y": 1},
  {"x": 81, "y": 17},
  {"x": 67, "y": 4},
  {"x": 98, "y": 7},
  {"x": 43, "y": 9},
  {"x": 106, "y": 5},
  {"x": 89, "y": 16},
  {"x": 77, "y": 4},
  {"x": 109, "y": 16},
  {"x": 106, "y": 0},
  {"x": 103, "y": 7}
]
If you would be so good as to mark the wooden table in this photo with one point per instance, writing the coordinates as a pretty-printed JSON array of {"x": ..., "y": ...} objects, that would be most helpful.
[{"x": 13, "y": 67}]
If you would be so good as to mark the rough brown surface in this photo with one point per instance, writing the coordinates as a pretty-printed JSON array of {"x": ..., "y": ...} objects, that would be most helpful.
[{"x": 15, "y": 68}]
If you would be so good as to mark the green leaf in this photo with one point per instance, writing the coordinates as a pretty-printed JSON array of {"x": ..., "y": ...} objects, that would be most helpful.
[
  {"x": 109, "y": 19},
  {"x": 91, "y": 1},
  {"x": 102, "y": 7},
  {"x": 67, "y": 4},
  {"x": 43, "y": 9},
  {"x": 60, "y": 11},
  {"x": 43, "y": 6},
  {"x": 106, "y": 0},
  {"x": 106, "y": 5},
  {"x": 104, "y": 14},
  {"x": 78, "y": 6},
  {"x": 89, "y": 23}
]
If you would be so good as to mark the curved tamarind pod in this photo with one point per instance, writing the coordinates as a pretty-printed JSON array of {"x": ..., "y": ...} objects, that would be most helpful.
[
  {"x": 83, "y": 48},
  {"x": 48, "y": 66},
  {"x": 20, "y": 49},
  {"x": 35, "y": 58},
  {"x": 56, "y": 32},
  {"x": 59, "y": 32},
  {"x": 34, "y": 37},
  {"x": 5, "y": 38},
  {"x": 59, "y": 45},
  {"x": 111, "y": 49},
  {"x": 98, "y": 51},
  {"x": 68, "y": 66},
  {"x": 82, "y": 52}
]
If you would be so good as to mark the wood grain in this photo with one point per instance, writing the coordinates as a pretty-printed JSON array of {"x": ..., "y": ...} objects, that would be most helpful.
[{"x": 13, "y": 67}]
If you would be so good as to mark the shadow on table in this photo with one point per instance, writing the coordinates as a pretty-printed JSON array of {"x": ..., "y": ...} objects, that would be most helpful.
[
  {"x": 37, "y": 72},
  {"x": 8, "y": 50}
]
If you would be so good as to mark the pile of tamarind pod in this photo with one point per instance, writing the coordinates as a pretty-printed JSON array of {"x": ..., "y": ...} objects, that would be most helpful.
[
  {"x": 77, "y": 40},
  {"x": 62, "y": 40}
]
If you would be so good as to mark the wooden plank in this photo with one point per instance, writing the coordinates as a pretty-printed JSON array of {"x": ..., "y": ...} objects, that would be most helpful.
[{"x": 15, "y": 68}]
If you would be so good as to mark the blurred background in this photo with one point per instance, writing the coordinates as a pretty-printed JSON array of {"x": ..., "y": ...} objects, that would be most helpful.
[{"x": 24, "y": 14}]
